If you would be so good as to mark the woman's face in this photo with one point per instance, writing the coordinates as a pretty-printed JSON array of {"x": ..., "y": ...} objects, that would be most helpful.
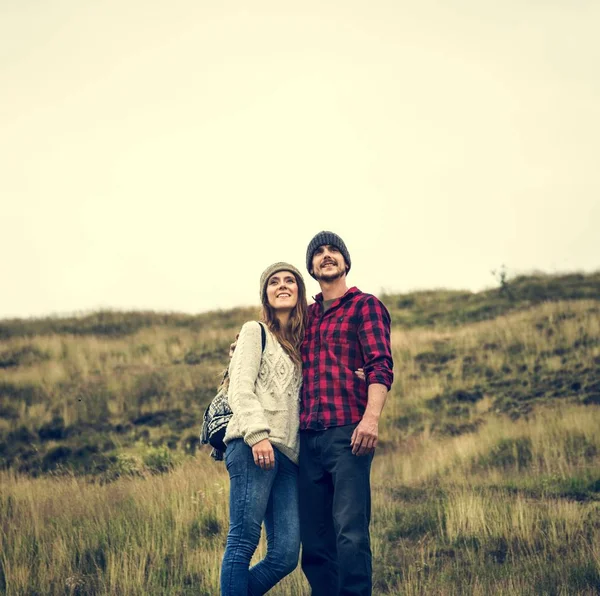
[{"x": 282, "y": 290}]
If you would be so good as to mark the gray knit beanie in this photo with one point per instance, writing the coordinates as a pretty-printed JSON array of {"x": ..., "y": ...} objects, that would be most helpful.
[
  {"x": 326, "y": 238},
  {"x": 274, "y": 268}
]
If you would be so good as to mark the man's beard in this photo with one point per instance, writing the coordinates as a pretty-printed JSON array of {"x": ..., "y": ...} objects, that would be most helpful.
[{"x": 329, "y": 276}]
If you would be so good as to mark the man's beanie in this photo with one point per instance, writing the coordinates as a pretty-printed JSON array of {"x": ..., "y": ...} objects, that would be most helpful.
[
  {"x": 326, "y": 238},
  {"x": 274, "y": 268}
]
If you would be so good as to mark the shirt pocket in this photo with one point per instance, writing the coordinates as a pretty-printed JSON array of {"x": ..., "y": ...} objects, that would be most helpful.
[{"x": 341, "y": 330}]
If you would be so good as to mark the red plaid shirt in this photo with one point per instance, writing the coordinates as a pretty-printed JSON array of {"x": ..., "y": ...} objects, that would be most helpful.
[{"x": 353, "y": 333}]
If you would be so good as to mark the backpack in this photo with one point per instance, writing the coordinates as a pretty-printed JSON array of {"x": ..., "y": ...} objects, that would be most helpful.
[{"x": 218, "y": 414}]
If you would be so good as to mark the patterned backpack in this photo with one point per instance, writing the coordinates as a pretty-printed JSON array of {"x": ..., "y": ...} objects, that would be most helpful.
[{"x": 218, "y": 413}]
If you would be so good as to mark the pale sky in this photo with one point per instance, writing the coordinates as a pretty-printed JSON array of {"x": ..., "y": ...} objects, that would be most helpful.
[{"x": 160, "y": 154}]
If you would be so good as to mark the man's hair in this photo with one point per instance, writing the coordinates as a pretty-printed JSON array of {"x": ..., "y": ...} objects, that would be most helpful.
[{"x": 323, "y": 239}]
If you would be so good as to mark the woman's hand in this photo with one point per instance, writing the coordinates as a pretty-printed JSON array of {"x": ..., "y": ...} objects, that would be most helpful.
[
  {"x": 264, "y": 457},
  {"x": 360, "y": 373}
]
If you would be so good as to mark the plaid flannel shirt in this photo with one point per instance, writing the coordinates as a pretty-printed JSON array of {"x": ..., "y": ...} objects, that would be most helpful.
[{"x": 353, "y": 333}]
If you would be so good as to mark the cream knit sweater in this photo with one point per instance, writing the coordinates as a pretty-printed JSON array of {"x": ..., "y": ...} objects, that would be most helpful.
[{"x": 264, "y": 393}]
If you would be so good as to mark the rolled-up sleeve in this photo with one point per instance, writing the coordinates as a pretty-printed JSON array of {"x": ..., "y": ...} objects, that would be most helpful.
[{"x": 374, "y": 334}]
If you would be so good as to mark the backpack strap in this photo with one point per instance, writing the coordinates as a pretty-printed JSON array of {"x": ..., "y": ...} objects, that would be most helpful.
[
  {"x": 263, "y": 336},
  {"x": 219, "y": 412}
]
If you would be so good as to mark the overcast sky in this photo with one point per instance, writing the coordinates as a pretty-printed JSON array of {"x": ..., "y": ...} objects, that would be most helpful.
[{"x": 160, "y": 154}]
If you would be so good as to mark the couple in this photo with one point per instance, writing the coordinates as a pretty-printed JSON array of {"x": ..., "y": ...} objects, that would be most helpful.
[{"x": 304, "y": 429}]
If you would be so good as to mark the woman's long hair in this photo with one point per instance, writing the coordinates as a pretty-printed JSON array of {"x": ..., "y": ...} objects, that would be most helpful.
[{"x": 291, "y": 337}]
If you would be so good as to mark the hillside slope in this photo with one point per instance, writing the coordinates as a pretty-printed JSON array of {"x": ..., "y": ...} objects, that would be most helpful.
[
  {"x": 81, "y": 392},
  {"x": 486, "y": 481}
]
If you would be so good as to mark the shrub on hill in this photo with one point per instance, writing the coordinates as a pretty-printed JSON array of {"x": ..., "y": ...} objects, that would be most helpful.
[
  {"x": 120, "y": 324},
  {"x": 455, "y": 307}
]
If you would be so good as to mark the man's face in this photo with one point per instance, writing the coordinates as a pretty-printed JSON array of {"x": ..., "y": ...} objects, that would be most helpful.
[{"x": 328, "y": 263}]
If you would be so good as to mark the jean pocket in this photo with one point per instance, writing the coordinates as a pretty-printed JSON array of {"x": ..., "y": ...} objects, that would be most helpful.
[
  {"x": 343, "y": 434},
  {"x": 231, "y": 446},
  {"x": 348, "y": 428}
]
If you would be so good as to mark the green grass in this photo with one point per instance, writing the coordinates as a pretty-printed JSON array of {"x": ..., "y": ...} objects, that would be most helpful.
[{"x": 433, "y": 308}]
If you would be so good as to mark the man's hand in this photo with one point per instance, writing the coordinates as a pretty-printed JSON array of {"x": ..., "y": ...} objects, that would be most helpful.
[
  {"x": 264, "y": 457},
  {"x": 232, "y": 346},
  {"x": 365, "y": 435}
]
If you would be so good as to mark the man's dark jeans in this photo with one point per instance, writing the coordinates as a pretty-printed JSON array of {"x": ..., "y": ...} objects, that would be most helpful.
[{"x": 335, "y": 511}]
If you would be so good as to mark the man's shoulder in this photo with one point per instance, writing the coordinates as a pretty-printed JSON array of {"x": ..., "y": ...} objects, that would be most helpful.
[
  {"x": 358, "y": 296},
  {"x": 368, "y": 305},
  {"x": 313, "y": 308}
]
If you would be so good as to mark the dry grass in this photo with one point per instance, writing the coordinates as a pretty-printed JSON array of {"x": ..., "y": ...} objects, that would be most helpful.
[
  {"x": 165, "y": 533},
  {"x": 487, "y": 480}
]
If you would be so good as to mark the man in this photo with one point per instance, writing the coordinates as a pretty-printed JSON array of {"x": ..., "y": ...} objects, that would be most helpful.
[{"x": 339, "y": 419}]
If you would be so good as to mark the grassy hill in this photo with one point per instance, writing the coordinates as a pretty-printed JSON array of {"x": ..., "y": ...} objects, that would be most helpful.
[{"x": 487, "y": 479}]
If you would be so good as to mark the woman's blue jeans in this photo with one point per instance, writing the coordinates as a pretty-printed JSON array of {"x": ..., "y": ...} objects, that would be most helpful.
[{"x": 255, "y": 496}]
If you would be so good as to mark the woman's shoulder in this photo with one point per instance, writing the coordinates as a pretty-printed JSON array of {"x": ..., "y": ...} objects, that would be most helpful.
[
  {"x": 248, "y": 345},
  {"x": 250, "y": 331},
  {"x": 251, "y": 326}
]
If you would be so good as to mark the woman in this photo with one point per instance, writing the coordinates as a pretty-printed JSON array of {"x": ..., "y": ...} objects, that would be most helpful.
[{"x": 262, "y": 438}]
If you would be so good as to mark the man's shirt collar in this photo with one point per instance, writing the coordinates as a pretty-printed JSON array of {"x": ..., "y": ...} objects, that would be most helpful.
[{"x": 353, "y": 291}]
